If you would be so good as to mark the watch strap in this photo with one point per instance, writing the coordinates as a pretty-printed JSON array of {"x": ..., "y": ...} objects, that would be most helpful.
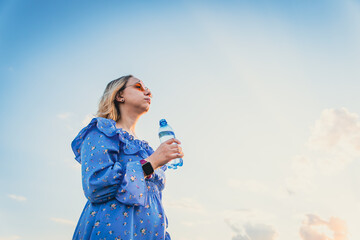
[{"x": 147, "y": 168}]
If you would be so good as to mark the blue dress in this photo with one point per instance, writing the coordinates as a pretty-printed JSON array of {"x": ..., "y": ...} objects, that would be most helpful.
[{"x": 122, "y": 204}]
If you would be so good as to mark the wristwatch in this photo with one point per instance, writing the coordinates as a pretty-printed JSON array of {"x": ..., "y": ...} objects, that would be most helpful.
[{"x": 147, "y": 167}]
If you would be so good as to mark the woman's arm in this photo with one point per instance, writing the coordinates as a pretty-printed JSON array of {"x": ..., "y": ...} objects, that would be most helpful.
[{"x": 104, "y": 178}]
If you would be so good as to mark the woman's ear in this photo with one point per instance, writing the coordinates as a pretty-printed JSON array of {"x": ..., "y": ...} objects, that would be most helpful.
[{"x": 119, "y": 98}]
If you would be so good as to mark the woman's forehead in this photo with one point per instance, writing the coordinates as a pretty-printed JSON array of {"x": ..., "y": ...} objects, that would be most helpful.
[{"x": 133, "y": 80}]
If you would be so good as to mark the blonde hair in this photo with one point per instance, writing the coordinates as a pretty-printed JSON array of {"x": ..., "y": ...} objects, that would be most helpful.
[{"x": 108, "y": 106}]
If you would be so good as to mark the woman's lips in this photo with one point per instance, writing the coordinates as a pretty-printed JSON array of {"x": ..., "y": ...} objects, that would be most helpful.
[{"x": 148, "y": 100}]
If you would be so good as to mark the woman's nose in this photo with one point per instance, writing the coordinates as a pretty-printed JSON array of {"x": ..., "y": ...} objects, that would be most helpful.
[{"x": 148, "y": 92}]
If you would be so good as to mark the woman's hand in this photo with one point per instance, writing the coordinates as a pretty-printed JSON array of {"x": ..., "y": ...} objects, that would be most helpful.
[{"x": 165, "y": 153}]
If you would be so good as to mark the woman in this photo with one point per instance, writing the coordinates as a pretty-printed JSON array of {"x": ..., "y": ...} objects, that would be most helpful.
[{"x": 122, "y": 176}]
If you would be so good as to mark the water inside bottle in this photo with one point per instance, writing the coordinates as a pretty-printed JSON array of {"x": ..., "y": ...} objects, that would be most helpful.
[{"x": 166, "y": 133}]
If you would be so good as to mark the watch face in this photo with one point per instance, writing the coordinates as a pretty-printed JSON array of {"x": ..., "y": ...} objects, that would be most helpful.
[{"x": 148, "y": 169}]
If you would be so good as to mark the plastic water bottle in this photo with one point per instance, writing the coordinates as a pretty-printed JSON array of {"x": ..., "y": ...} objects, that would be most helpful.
[{"x": 166, "y": 133}]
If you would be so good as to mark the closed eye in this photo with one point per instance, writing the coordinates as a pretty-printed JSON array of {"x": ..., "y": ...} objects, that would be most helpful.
[{"x": 138, "y": 85}]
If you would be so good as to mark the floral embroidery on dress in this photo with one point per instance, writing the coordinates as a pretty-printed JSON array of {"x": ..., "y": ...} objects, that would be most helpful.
[{"x": 122, "y": 204}]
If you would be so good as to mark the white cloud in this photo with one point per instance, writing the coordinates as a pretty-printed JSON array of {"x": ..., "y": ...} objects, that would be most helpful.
[
  {"x": 250, "y": 185},
  {"x": 332, "y": 125},
  {"x": 335, "y": 140},
  {"x": 17, "y": 197},
  {"x": 333, "y": 144},
  {"x": 253, "y": 231},
  {"x": 193, "y": 238},
  {"x": 190, "y": 204},
  {"x": 87, "y": 120},
  {"x": 250, "y": 224},
  {"x": 247, "y": 214},
  {"x": 315, "y": 228},
  {"x": 65, "y": 115},
  {"x": 14, "y": 237},
  {"x": 63, "y": 221},
  {"x": 337, "y": 130},
  {"x": 258, "y": 187},
  {"x": 302, "y": 174},
  {"x": 72, "y": 164},
  {"x": 197, "y": 222}
]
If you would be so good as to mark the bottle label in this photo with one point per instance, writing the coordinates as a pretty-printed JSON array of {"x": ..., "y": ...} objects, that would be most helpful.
[{"x": 166, "y": 133}]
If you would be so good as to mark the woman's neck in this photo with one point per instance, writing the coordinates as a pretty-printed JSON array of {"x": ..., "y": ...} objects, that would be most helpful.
[{"x": 128, "y": 124}]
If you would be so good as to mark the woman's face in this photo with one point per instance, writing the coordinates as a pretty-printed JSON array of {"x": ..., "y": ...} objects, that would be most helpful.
[{"x": 137, "y": 95}]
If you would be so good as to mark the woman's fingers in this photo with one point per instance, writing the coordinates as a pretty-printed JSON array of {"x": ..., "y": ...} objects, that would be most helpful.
[
  {"x": 172, "y": 140},
  {"x": 176, "y": 148},
  {"x": 177, "y": 155},
  {"x": 169, "y": 150}
]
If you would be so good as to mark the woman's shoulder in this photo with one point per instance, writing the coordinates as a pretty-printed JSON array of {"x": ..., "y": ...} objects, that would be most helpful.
[
  {"x": 104, "y": 127},
  {"x": 99, "y": 127},
  {"x": 98, "y": 124}
]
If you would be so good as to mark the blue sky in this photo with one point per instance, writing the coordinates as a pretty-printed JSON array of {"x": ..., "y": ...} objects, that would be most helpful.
[{"x": 262, "y": 94}]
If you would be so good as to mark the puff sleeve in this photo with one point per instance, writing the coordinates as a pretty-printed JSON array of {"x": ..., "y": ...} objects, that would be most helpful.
[
  {"x": 159, "y": 177},
  {"x": 105, "y": 178}
]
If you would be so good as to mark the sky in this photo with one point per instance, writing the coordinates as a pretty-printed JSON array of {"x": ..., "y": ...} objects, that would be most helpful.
[{"x": 263, "y": 95}]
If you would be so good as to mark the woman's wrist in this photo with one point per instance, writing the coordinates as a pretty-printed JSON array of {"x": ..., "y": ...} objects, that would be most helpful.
[
  {"x": 153, "y": 163},
  {"x": 147, "y": 168}
]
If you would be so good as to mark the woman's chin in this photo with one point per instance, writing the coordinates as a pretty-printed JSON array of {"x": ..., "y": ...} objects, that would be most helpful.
[{"x": 146, "y": 109}]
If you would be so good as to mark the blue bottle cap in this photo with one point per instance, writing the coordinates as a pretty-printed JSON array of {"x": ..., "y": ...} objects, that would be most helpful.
[{"x": 163, "y": 123}]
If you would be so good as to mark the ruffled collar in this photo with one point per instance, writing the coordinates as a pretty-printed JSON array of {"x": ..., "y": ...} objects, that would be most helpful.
[
  {"x": 108, "y": 126},
  {"x": 130, "y": 137},
  {"x": 129, "y": 143}
]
